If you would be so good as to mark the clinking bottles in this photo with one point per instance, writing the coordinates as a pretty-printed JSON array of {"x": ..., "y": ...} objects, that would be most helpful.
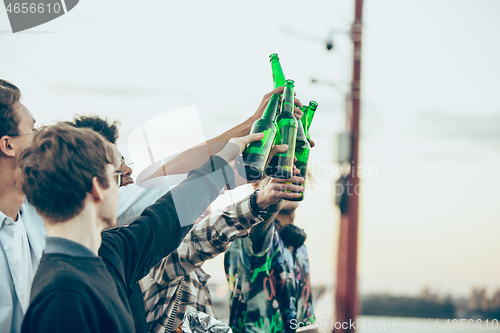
[
  {"x": 256, "y": 153},
  {"x": 281, "y": 165},
  {"x": 302, "y": 149},
  {"x": 278, "y": 76}
]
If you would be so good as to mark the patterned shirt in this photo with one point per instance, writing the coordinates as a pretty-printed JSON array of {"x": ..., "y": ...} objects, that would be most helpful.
[
  {"x": 270, "y": 288},
  {"x": 177, "y": 283}
]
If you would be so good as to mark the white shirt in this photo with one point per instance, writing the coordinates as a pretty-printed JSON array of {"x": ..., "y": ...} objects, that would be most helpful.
[{"x": 135, "y": 198}]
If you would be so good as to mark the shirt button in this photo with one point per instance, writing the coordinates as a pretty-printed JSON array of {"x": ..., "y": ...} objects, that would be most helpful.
[
  {"x": 7, "y": 222},
  {"x": 6, "y": 247}
]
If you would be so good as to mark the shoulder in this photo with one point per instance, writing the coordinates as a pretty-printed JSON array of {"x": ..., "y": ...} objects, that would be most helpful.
[{"x": 65, "y": 274}]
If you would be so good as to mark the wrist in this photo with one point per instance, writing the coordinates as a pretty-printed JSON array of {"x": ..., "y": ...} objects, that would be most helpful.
[
  {"x": 262, "y": 200},
  {"x": 257, "y": 206}
]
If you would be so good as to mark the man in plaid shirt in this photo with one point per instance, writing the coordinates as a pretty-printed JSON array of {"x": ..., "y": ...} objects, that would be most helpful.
[{"x": 178, "y": 284}]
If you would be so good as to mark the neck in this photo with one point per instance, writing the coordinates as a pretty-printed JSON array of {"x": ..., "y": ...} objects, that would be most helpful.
[
  {"x": 11, "y": 196},
  {"x": 285, "y": 219},
  {"x": 83, "y": 229}
]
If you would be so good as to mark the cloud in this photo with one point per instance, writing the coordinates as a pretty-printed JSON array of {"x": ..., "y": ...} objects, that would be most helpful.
[{"x": 477, "y": 128}]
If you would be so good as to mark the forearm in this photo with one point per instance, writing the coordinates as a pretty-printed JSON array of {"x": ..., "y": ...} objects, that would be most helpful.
[
  {"x": 196, "y": 156},
  {"x": 162, "y": 226},
  {"x": 258, "y": 232}
]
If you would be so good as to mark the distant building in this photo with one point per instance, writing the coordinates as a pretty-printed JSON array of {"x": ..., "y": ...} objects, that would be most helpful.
[
  {"x": 430, "y": 294},
  {"x": 495, "y": 301},
  {"x": 478, "y": 301}
]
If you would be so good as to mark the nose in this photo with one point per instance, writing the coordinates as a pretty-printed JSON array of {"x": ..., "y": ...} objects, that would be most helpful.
[{"x": 126, "y": 170}]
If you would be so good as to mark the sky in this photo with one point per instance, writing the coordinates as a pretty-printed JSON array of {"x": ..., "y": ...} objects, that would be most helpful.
[{"x": 430, "y": 111}]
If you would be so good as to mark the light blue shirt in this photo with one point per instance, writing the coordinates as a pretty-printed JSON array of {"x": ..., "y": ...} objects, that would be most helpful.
[
  {"x": 134, "y": 198},
  {"x": 11, "y": 312}
]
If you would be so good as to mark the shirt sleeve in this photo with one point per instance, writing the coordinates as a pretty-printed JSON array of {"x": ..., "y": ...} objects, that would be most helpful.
[
  {"x": 206, "y": 240},
  {"x": 134, "y": 249},
  {"x": 134, "y": 198}
]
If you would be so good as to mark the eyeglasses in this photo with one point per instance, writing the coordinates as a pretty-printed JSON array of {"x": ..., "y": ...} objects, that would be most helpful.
[
  {"x": 36, "y": 129},
  {"x": 120, "y": 160},
  {"x": 127, "y": 160},
  {"x": 118, "y": 177}
]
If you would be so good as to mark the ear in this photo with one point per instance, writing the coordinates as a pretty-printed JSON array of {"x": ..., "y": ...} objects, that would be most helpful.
[
  {"x": 97, "y": 190},
  {"x": 6, "y": 146}
]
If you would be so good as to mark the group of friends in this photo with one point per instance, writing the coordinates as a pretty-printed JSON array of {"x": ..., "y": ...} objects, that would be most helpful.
[{"x": 85, "y": 249}]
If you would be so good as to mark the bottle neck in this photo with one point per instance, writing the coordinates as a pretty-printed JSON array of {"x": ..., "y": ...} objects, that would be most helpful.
[
  {"x": 303, "y": 120},
  {"x": 278, "y": 76},
  {"x": 301, "y": 135},
  {"x": 272, "y": 108},
  {"x": 288, "y": 98},
  {"x": 309, "y": 116}
]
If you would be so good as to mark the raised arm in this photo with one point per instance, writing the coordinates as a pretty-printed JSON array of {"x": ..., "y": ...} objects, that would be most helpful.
[
  {"x": 214, "y": 234},
  {"x": 161, "y": 227},
  {"x": 258, "y": 233},
  {"x": 194, "y": 157}
]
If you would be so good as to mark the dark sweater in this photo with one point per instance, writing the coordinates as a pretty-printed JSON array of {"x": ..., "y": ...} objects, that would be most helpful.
[{"x": 79, "y": 292}]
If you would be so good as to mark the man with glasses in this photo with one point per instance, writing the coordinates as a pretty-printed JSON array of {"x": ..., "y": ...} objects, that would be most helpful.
[
  {"x": 22, "y": 233},
  {"x": 84, "y": 275}
]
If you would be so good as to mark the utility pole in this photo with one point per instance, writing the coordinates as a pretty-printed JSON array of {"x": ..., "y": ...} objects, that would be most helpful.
[{"x": 346, "y": 298}]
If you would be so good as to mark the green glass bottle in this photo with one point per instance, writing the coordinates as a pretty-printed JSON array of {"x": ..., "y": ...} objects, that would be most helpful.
[
  {"x": 308, "y": 117},
  {"x": 256, "y": 153},
  {"x": 278, "y": 76},
  {"x": 281, "y": 165},
  {"x": 302, "y": 149},
  {"x": 303, "y": 120}
]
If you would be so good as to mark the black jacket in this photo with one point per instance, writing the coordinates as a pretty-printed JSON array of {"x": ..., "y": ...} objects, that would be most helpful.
[{"x": 91, "y": 294}]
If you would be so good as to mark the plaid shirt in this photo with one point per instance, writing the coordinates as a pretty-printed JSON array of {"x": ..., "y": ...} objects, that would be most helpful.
[{"x": 177, "y": 283}]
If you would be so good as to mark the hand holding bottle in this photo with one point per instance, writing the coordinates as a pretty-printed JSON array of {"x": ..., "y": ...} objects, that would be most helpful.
[
  {"x": 297, "y": 112},
  {"x": 277, "y": 189},
  {"x": 236, "y": 145}
]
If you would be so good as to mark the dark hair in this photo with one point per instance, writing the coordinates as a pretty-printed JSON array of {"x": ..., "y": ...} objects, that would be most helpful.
[
  {"x": 56, "y": 172},
  {"x": 102, "y": 126},
  {"x": 292, "y": 235},
  {"x": 9, "y": 95}
]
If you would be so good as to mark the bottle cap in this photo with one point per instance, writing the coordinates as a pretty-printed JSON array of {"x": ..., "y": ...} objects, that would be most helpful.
[{"x": 274, "y": 56}]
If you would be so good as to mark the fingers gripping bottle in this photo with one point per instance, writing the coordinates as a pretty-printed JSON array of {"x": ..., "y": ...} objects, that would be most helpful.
[
  {"x": 256, "y": 153},
  {"x": 281, "y": 165}
]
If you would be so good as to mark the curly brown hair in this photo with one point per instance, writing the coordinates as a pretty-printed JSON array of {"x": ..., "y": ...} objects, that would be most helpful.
[
  {"x": 108, "y": 129},
  {"x": 56, "y": 172}
]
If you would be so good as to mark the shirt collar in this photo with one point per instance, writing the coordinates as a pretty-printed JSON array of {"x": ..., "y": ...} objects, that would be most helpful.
[
  {"x": 3, "y": 218},
  {"x": 65, "y": 246}
]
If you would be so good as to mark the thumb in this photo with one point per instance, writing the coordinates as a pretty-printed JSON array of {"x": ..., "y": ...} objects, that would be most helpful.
[
  {"x": 277, "y": 149},
  {"x": 243, "y": 141}
]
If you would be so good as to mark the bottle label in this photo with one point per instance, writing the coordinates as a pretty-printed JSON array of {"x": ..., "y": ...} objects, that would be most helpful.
[
  {"x": 256, "y": 153},
  {"x": 281, "y": 165}
]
